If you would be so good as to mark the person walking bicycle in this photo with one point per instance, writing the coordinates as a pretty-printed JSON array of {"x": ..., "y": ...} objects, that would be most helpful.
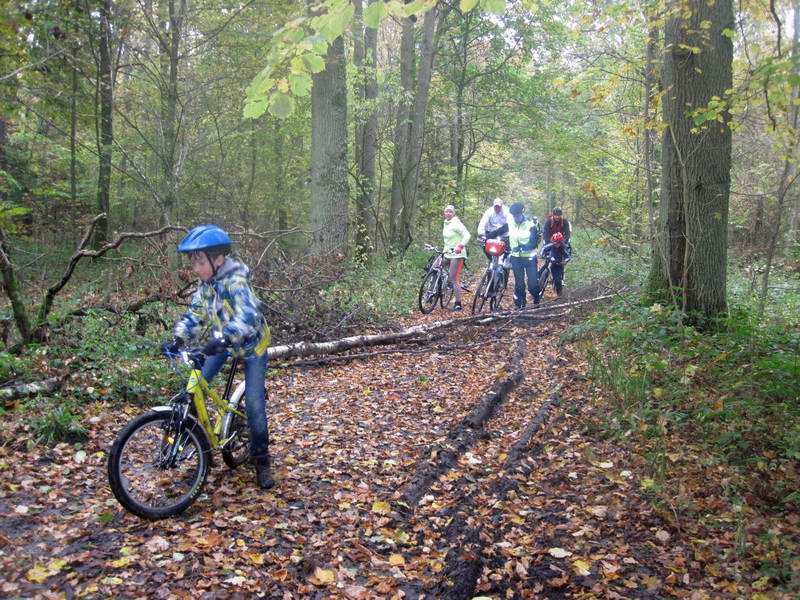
[
  {"x": 455, "y": 237},
  {"x": 523, "y": 238}
]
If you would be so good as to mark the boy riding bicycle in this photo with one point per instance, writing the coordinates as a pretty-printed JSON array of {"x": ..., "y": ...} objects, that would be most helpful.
[{"x": 225, "y": 299}]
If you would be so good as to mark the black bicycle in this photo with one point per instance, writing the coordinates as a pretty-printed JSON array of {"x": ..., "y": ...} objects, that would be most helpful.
[
  {"x": 546, "y": 276},
  {"x": 436, "y": 286},
  {"x": 493, "y": 281}
]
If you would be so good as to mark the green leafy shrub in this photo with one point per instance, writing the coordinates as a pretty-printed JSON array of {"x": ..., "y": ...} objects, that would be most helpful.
[
  {"x": 11, "y": 367},
  {"x": 57, "y": 424},
  {"x": 736, "y": 390}
]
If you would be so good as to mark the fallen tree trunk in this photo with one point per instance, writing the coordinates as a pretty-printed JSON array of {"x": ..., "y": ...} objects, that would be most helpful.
[
  {"x": 29, "y": 389},
  {"x": 301, "y": 349}
]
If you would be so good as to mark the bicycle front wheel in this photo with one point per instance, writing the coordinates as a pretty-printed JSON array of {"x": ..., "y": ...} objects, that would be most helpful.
[
  {"x": 544, "y": 279},
  {"x": 158, "y": 466},
  {"x": 481, "y": 294},
  {"x": 428, "y": 292}
]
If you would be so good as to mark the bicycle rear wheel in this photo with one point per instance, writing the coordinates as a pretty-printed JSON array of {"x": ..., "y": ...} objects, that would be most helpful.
[
  {"x": 481, "y": 294},
  {"x": 157, "y": 466},
  {"x": 235, "y": 429},
  {"x": 500, "y": 283},
  {"x": 446, "y": 292},
  {"x": 428, "y": 292}
]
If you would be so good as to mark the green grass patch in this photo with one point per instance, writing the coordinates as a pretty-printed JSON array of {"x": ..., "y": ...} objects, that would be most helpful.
[
  {"x": 387, "y": 287},
  {"x": 56, "y": 423}
]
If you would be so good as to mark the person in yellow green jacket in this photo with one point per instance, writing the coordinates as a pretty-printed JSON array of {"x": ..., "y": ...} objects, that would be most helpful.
[
  {"x": 523, "y": 238},
  {"x": 455, "y": 237}
]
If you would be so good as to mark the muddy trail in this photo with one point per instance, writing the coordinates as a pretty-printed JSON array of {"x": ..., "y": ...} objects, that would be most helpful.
[{"x": 455, "y": 470}]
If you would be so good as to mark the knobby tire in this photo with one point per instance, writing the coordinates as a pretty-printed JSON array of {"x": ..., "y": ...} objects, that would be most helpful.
[
  {"x": 237, "y": 451},
  {"x": 481, "y": 294},
  {"x": 133, "y": 463},
  {"x": 428, "y": 292}
]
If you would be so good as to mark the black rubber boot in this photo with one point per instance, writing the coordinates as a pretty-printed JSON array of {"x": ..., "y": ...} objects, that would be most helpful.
[{"x": 263, "y": 474}]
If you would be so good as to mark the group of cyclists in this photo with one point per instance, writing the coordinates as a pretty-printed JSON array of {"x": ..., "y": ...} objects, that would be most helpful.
[
  {"x": 225, "y": 299},
  {"x": 522, "y": 235}
]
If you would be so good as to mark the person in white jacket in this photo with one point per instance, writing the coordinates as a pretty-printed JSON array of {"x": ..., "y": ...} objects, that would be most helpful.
[
  {"x": 495, "y": 221},
  {"x": 493, "y": 226}
]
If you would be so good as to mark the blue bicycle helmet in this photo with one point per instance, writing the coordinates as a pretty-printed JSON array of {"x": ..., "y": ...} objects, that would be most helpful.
[
  {"x": 517, "y": 208},
  {"x": 206, "y": 238}
]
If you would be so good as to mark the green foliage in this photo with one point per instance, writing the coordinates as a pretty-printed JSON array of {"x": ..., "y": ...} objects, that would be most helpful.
[
  {"x": 57, "y": 423},
  {"x": 12, "y": 366},
  {"x": 385, "y": 289},
  {"x": 735, "y": 390}
]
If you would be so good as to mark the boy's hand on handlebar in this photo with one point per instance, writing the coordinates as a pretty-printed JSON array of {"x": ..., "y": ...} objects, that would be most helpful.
[
  {"x": 215, "y": 346},
  {"x": 172, "y": 347},
  {"x": 458, "y": 248}
]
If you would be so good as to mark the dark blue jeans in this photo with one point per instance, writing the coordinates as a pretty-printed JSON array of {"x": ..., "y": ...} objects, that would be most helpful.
[
  {"x": 523, "y": 266},
  {"x": 255, "y": 374}
]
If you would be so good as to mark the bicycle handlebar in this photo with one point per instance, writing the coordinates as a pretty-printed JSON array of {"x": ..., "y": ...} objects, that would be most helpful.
[
  {"x": 191, "y": 356},
  {"x": 435, "y": 249}
]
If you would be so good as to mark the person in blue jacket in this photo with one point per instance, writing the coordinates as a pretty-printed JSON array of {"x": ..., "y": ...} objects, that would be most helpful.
[{"x": 225, "y": 300}]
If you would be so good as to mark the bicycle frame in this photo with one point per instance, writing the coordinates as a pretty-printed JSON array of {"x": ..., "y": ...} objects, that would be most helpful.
[{"x": 200, "y": 390}]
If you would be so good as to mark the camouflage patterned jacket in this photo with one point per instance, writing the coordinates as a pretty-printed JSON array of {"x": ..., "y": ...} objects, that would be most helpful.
[{"x": 229, "y": 304}]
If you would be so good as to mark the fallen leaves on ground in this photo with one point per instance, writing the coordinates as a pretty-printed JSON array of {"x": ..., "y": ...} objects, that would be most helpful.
[{"x": 571, "y": 518}]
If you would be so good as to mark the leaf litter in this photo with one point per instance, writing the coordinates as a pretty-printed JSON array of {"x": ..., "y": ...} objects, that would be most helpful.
[{"x": 564, "y": 517}]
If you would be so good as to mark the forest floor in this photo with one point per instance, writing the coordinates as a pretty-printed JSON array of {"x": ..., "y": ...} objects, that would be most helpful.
[{"x": 393, "y": 479}]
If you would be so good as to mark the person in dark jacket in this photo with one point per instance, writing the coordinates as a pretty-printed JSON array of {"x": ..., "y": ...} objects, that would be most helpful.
[
  {"x": 556, "y": 223},
  {"x": 557, "y": 253}
]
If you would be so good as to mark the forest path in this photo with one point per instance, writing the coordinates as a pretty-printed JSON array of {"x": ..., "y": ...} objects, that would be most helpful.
[{"x": 394, "y": 478}]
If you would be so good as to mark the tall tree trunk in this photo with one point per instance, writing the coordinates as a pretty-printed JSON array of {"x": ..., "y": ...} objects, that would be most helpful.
[
  {"x": 73, "y": 130},
  {"x": 461, "y": 84},
  {"x": 695, "y": 184},
  {"x": 170, "y": 32},
  {"x": 365, "y": 43},
  {"x": 794, "y": 216},
  {"x": 280, "y": 176},
  {"x": 401, "y": 136},
  {"x": 105, "y": 92},
  {"x": 13, "y": 287},
  {"x": 330, "y": 191},
  {"x": 416, "y": 136},
  {"x": 650, "y": 90},
  {"x": 3, "y": 142}
]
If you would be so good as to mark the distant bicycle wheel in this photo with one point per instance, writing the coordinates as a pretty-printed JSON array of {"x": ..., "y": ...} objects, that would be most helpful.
[
  {"x": 446, "y": 292},
  {"x": 481, "y": 294},
  {"x": 544, "y": 279},
  {"x": 500, "y": 283},
  {"x": 428, "y": 292}
]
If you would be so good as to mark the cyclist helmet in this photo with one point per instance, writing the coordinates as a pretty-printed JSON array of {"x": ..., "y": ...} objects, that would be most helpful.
[
  {"x": 557, "y": 237},
  {"x": 206, "y": 238},
  {"x": 517, "y": 208},
  {"x": 557, "y": 211}
]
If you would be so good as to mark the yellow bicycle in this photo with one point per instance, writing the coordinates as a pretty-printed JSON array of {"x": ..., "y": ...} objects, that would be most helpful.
[{"x": 159, "y": 462}]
